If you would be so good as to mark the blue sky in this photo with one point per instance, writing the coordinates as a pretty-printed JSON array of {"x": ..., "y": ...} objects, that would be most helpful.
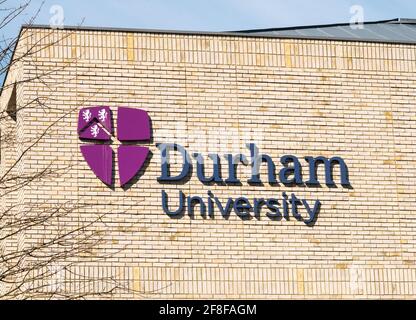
[{"x": 213, "y": 15}]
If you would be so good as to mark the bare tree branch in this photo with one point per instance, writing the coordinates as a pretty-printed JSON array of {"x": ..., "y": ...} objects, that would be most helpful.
[{"x": 40, "y": 252}]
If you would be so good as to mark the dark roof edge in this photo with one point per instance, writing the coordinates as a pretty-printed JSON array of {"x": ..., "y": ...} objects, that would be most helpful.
[
  {"x": 396, "y": 20},
  {"x": 221, "y": 33}
]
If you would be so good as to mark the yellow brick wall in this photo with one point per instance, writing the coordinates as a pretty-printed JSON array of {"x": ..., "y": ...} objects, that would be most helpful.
[{"x": 215, "y": 94}]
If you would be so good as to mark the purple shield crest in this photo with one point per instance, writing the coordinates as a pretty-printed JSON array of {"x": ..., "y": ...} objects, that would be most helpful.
[{"x": 95, "y": 123}]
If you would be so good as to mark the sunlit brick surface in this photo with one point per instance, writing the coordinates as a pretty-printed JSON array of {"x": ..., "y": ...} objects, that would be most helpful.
[{"x": 214, "y": 94}]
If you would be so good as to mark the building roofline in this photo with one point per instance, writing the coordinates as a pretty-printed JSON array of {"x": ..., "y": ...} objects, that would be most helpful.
[
  {"x": 313, "y": 26},
  {"x": 251, "y": 33},
  {"x": 241, "y": 33}
]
